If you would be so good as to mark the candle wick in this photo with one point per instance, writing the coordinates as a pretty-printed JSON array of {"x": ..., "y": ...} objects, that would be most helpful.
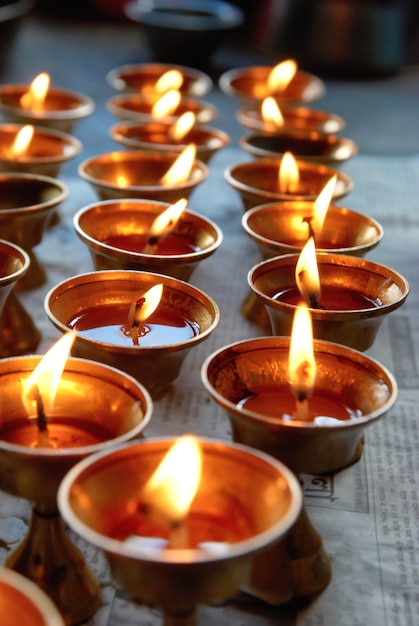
[
  {"x": 151, "y": 245},
  {"x": 40, "y": 412},
  {"x": 313, "y": 301},
  {"x": 310, "y": 298},
  {"x": 178, "y": 536},
  {"x": 308, "y": 220},
  {"x": 137, "y": 329},
  {"x": 41, "y": 419},
  {"x": 301, "y": 408}
]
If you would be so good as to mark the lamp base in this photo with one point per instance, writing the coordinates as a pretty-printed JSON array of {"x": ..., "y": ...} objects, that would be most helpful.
[
  {"x": 48, "y": 558},
  {"x": 296, "y": 567},
  {"x": 35, "y": 276},
  {"x": 18, "y": 333},
  {"x": 254, "y": 310},
  {"x": 181, "y": 619}
]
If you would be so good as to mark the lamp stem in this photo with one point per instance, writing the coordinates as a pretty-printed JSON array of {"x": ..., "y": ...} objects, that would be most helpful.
[
  {"x": 184, "y": 618},
  {"x": 48, "y": 558}
]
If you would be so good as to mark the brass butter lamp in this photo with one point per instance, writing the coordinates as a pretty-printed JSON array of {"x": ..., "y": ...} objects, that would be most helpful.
[
  {"x": 27, "y": 205},
  {"x": 298, "y": 567},
  {"x": 90, "y": 396},
  {"x": 239, "y": 487}
]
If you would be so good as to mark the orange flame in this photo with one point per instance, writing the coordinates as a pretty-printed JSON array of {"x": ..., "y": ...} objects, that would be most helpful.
[
  {"x": 321, "y": 205},
  {"x": 167, "y": 220},
  {"x": 167, "y": 104},
  {"x": 271, "y": 112},
  {"x": 182, "y": 125},
  {"x": 281, "y": 75},
  {"x": 47, "y": 374},
  {"x": 122, "y": 180},
  {"x": 35, "y": 96},
  {"x": 145, "y": 305},
  {"x": 172, "y": 79},
  {"x": 301, "y": 361},
  {"x": 307, "y": 274},
  {"x": 288, "y": 174},
  {"x": 173, "y": 486},
  {"x": 21, "y": 141},
  {"x": 180, "y": 170}
]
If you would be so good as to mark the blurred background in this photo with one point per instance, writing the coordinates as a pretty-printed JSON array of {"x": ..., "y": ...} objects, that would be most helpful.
[{"x": 333, "y": 36}]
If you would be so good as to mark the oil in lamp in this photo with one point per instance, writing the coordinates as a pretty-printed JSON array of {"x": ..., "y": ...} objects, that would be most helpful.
[
  {"x": 284, "y": 81},
  {"x": 18, "y": 333},
  {"x": 267, "y": 117},
  {"x": 146, "y": 235},
  {"x": 309, "y": 413},
  {"x": 144, "y": 174},
  {"x": 55, "y": 411},
  {"x": 42, "y": 105},
  {"x": 349, "y": 296},
  {"x": 150, "y": 78},
  {"x": 133, "y": 504},
  {"x": 97, "y": 307},
  {"x": 35, "y": 150},
  {"x": 280, "y": 228},
  {"x": 283, "y": 179},
  {"x": 27, "y": 204},
  {"x": 163, "y": 136}
]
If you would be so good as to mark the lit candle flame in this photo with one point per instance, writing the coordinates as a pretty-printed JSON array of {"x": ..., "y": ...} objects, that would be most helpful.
[
  {"x": 46, "y": 376},
  {"x": 288, "y": 174},
  {"x": 167, "y": 104},
  {"x": 145, "y": 305},
  {"x": 35, "y": 96},
  {"x": 180, "y": 171},
  {"x": 301, "y": 361},
  {"x": 140, "y": 310},
  {"x": 21, "y": 141},
  {"x": 164, "y": 223},
  {"x": 173, "y": 486},
  {"x": 122, "y": 180},
  {"x": 281, "y": 75},
  {"x": 182, "y": 126},
  {"x": 307, "y": 274},
  {"x": 172, "y": 79},
  {"x": 320, "y": 207},
  {"x": 271, "y": 112}
]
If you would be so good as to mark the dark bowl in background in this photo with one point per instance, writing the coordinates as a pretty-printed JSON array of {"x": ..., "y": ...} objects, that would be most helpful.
[
  {"x": 184, "y": 31},
  {"x": 11, "y": 13}
]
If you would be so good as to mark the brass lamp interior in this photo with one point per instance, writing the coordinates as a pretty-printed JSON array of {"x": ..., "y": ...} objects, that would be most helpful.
[
  {"x": 95, "y": 223},
  {"x": 23, "y": 602},
  {"x": 156, "y": 367},
  {"x": 245, "y": 84},
  {"x": 140, "y": 172},
  {"x": 257, "y": 181},
  {"x": 142, "y": 77},
  {"x": 156, "y": 136},
  {"x": 61, "y": 110},
  {"x": 298, "y": 118},
  {"x": 353, "y": 327},
  {"x": 330, "y": 150},
  {"x": 47, "y": 152},
  {"x": 137, "y": 107}
]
